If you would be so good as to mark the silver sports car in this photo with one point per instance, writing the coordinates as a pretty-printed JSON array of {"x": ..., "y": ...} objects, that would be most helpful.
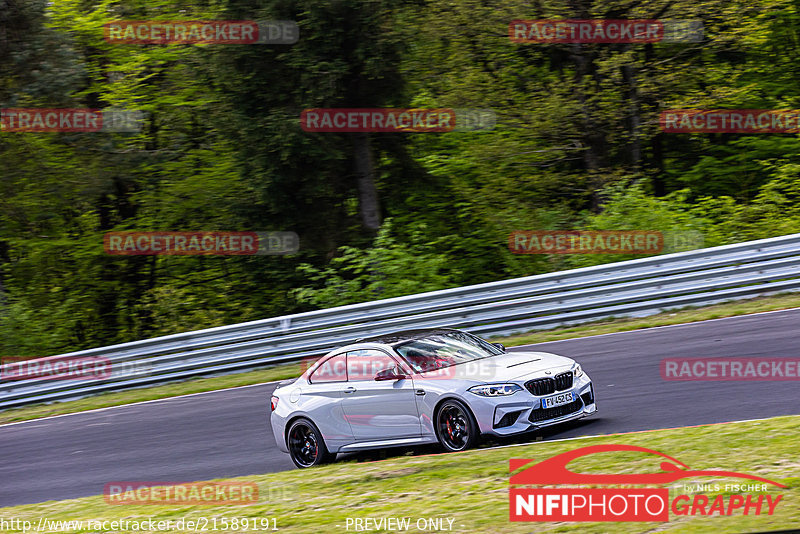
[{"x": 423, "y": 386}]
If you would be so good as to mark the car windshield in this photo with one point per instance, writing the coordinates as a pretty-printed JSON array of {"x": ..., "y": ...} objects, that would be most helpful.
[{"x": 444, "y": 349}]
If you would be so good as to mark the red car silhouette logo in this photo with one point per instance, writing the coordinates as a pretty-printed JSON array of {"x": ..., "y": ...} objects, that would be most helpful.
[{"x": 553, "y": 471}]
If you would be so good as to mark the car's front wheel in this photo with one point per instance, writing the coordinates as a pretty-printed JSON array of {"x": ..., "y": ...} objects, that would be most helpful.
[
  {"x": 456, "y": 428},
  {"x": 306, "y": 446}
]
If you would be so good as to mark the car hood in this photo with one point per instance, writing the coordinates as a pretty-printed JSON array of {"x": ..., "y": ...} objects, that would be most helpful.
[{"x": 505, "y": 367}]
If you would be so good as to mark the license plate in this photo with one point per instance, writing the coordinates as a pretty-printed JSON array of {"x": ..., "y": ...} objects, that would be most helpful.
[{"x": 558, "y": 400}]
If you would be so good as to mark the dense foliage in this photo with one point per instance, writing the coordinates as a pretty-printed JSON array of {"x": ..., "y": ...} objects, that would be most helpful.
[{"x": 576, "y": 146}]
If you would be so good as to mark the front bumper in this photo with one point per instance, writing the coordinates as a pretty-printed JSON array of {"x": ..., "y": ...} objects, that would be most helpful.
[{"x": 508, "y": 416}]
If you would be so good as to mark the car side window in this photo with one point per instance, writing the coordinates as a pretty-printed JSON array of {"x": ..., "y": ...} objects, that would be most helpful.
[
  {"x": 331, "y": 370},
  {"x": 365, "y": 364}
]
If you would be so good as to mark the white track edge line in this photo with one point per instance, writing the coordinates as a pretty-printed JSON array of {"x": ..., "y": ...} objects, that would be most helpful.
[
  {"x": 94, "y": 410},
  {"x": 655, "y": 327}
]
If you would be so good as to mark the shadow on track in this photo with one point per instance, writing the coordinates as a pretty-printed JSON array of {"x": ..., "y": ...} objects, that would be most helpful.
[{"x": 543, "y": 434}]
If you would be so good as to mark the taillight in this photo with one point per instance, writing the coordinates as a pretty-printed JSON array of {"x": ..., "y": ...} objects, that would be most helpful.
[{"x": 274, "y": 402}]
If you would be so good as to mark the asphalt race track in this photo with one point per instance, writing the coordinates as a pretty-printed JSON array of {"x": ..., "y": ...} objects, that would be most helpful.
[{"x": 225, "y": 433}]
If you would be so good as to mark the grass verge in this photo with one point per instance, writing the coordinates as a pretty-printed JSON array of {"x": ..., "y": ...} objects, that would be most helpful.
[
  {"x": 472, "y": 487},
  {"x": 281, "y": 372}
]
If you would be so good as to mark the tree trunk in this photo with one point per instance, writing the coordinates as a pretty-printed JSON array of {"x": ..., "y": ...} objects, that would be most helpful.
[
  {"x": 368, "y": 202},
  {"x": 629, "y": 75},
  {"x": 659, "y": 187}
]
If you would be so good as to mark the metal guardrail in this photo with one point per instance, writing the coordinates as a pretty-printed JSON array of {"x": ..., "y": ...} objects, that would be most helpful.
[{"x": 630, "y": 288}]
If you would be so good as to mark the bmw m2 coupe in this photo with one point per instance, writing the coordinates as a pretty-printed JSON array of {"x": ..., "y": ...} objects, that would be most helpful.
[{"x": 423, "y": 386}]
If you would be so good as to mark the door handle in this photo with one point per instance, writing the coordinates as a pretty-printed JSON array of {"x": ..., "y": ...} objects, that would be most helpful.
[
  {"x": 420, "y": 392},
  {"x": 349, "y": 389}
]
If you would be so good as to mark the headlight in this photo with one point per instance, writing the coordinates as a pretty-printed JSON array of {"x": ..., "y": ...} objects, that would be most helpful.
[
  {"x": 577, "y": 370},
  {"x": 495, "y": 390}
]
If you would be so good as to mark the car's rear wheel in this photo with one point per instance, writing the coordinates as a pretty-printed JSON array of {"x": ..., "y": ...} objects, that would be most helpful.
[
  {"x": 306, "y": 446},
  {"x": 456, "y": 428}
]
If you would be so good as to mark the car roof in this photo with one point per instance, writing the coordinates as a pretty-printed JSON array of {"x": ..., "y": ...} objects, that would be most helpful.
[{"x": 395, "y": 338}]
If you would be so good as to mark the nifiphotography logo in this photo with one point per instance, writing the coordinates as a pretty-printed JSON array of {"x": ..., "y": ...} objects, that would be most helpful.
[{"x": 622, "y": 502}]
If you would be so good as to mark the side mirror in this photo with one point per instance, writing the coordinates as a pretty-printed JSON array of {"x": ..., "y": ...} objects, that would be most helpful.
[
  {"x": 389, "y": 374},
  {"x": 500, "y": 346}
]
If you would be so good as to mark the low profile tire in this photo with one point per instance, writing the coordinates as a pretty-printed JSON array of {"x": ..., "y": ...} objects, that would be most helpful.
[
  {"x": 456, "y": 428},
  {"x": 306, "y": 446}
]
